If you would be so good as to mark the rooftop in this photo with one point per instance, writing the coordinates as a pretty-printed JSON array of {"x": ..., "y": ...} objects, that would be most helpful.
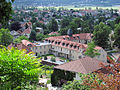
[
  {"x": 84, "y": 65},
  {"x": 41, "y": 44}
]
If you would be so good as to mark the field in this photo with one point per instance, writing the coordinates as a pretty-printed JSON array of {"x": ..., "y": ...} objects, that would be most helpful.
[{"x": 72, "y": 7}]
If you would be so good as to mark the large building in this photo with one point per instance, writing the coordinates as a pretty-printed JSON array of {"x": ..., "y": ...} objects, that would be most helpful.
[
  {"x": 70, "y": 47},
  {"x": 73, "y": 47}
]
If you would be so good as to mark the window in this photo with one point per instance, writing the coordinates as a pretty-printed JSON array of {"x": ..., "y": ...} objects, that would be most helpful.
[
  {"x": 40, "y": 53},
  {"x": 67, "y": 44},
  {"x": 74, "y": 37},
  {"x": 49, "y": 41},
  {"x": 75, "y": 46},
  {"x": 78, "y": 37},
  {"x": 71, "y": 45},
  {"x": 40, "y": 47},
  {"x": 103, "y": 55},
  {"x": 58, "y": 43},
  {"x": 44, "y": 52},
  {"x": 63, "y": 44},
  {"x": 29, "y": 45},
  {"x": 52, "y": 41}
]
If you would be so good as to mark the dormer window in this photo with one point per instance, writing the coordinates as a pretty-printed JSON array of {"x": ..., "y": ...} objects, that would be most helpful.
[
  {"x": 49, "y": 41},
  {"x": 59, "y": 43},
  {"x": 52, "y": 41},
  {"x": 63, "y": 44},
  {"x": 29, "y": 45},
  {"x": 78, "y": 37},
  {"x": 67, "y": 44},
  {"x": 68, "y": 38},
  {"x": 71, "y": 45},
  {"x": 74, "y": 37},
  {"x": 56, "y": 42},
  {"x": 75, "y": 46}
]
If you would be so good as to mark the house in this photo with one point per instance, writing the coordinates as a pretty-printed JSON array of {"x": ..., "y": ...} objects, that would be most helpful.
[
  {"x": 15, "y": 34},
  {"x": 23, "y": 31},
  {"x": 27, "y": 32},
  {"x": 20, "y": 46},
  {"x": 53, "y": 33},
  {"x": 39, "y": 30},
  {"x": 41, "y": 48},
  {"x": 84, "y": 65},
  {"x": 73, "y": 47}
]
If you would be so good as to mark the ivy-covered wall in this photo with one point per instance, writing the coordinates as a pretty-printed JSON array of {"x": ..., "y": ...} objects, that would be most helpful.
[{"x": 59, "y": 77}]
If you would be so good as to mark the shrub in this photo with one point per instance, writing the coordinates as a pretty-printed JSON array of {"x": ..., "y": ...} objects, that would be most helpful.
[{"x": 53, "y": 59}]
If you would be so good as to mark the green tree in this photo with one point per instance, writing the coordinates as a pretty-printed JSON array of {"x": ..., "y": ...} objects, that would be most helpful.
[
  {"x": 101, "y": 35},
  {"x": 53, "y": 26},
  {"x": 73, "y": 26},
  {"x": 5, "y": 11},
  {"x": 65, "y": 22},
  {"x": 18, "y": 40},
  {"x": 33, "y": 35},
  {"x": 17, "y": 69},
  {"x": 63, "y": 31},
  {"x": 40, "y": 37},
  {"x": 117, "y": 35},
  {"x": 91, "y": 51},
  {"x": 5, "y": 37},
  {"x": 77, "y": 21},
  {"x": 15, "y": 26},
  {"x": 33, "y": 20}
]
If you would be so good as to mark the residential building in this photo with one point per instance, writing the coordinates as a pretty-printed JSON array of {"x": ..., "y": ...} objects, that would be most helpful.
[{"x": 84, "y": 65}]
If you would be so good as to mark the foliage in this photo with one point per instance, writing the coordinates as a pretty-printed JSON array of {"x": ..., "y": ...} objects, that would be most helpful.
[
  {"x": 19, "y": 39},
  {"x": 45, "y": 57},
  {"x": 15, "y": 26},
  {"x": 5, "y": 11},
  {"x": 40, "y": 37},
  {"x": 63, "y": 31},
  {"x": 109, "y": 81},
  {"x": 65, "y": 22},
  {"x": 17, "y": 69},
  {"x": 53, "y": 25},
  {"x": 91, "y": 51},
  {"x": 99, "y": 81},
  {"x": 117, "y": 35},
  {"x": 75, "y": 85},
  {"x": 5, "y": 37},
  {"x": 101, "y": 35},
  {"x": 59, "y": 77},
  {"x": 32, "y": 35},
  {"x": 53, "y": 59}
]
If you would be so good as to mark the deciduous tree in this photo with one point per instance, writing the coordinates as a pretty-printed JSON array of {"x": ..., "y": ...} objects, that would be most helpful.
[
  {"x": 5, "y": 37},
  {"x": 101, "y": 35},
  {"x": 17, "y": 69}
]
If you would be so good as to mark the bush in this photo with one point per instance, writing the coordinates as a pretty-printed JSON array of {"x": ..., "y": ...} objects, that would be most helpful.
[
  {"x": 53, "y": 59},
  {"x": 45, "y": 57}
]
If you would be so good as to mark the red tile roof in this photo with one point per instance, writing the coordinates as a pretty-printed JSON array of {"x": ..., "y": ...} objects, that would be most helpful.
[
  {"x": 75, "y": 45},
  {"x": 20, "y": 46},
  {"x": 85, "y": 65},
  {"x": 27, "y": 31},
  {"x": 53, "y": 33},
  {"x": 82, "y": 36},
  {"x": 26, "y": 43}
]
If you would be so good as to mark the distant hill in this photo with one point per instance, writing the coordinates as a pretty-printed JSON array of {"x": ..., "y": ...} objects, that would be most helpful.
[{"x": 66, "y": 2}]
